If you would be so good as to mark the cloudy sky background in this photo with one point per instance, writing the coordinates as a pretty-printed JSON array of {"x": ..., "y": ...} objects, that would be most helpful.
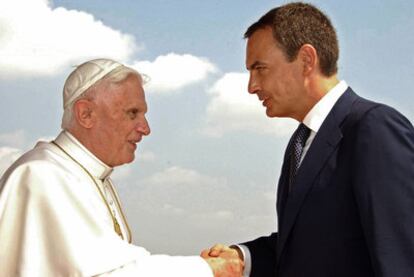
[{"x": 208, "y": 171}]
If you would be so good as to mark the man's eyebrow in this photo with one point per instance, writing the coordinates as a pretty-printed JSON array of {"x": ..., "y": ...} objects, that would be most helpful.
[
  {"x": 254, "y": 65},
  {"x": 136, "y": 109},
  {"x": 130, "y": 110}
]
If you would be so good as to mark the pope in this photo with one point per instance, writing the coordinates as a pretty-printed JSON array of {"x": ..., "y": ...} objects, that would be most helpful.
[{"x": 60, "y": 214}]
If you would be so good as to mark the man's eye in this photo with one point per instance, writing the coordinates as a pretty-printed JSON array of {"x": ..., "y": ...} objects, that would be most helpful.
[
  {"x": 132, "y": 114},
  {"x": 258, "y": 68},
  {"x": 262, "y": 70}
]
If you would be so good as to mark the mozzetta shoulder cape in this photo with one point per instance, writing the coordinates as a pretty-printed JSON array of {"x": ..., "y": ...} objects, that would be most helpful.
[{"x": 53, "y": 221}]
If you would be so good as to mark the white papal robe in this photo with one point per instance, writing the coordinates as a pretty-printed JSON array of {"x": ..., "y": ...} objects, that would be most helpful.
[{"x": 53, "y": 221}]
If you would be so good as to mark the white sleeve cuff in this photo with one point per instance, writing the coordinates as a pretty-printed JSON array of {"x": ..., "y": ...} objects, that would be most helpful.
[{"x": 247, "y": 259}]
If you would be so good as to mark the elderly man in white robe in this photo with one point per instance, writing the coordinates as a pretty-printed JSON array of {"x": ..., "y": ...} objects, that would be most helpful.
[{"x": 59, "y": 212}]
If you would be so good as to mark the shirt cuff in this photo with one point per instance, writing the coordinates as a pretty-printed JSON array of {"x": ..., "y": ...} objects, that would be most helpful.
[{"x": 246, "y": 258}]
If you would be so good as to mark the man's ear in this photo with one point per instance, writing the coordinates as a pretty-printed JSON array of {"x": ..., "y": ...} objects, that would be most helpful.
[
  {"x": 83, "y": 111},
  {"x": 309, "y": 57}
]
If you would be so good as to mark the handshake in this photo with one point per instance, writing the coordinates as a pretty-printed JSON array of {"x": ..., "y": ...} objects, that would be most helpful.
[{"x": 224, "y": 261}]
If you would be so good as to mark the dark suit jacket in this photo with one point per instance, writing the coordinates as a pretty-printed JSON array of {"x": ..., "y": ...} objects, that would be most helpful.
[{"x": 351, "y": 209}]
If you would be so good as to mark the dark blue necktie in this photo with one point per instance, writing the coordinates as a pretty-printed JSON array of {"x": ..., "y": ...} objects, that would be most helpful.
[{"x": 296, "y": 148}]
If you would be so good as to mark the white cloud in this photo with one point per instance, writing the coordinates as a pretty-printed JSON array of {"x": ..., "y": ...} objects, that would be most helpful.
[
  {"x": 145, "y": 156},
  {"x": 192, "y": 192},
  {"x": 171, "y": 72},
  {"x": 223, "y": 214},
  {"x": 232, "y": 108},
  {"x": 178, "y": 176},
  {"x": 190, "y": 204},
  {"x": 19, "y": 139},
  {"x": 7, "y": 156},
  {"x": 177, "y": 187},
  {"x": 14, "y": 139},
  {"x": 121, "y": 173},
  {"x": 126, "y": 171},
  {"x": 37, "y": 39},
  {"x": 270, "y": 195}
]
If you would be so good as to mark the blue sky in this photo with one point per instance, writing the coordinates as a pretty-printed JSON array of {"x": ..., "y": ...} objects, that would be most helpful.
[{"x": 208, "y": 171}]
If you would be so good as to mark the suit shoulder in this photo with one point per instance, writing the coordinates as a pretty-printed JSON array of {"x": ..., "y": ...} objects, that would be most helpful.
[
  {"x": 382, "y": 122},
  {"x": 382, "y": 113}
]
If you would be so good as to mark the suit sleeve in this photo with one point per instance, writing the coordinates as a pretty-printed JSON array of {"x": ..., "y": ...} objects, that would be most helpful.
[
  {"x": 263, "y": 255},
  {"x": 383, "y": 183}
]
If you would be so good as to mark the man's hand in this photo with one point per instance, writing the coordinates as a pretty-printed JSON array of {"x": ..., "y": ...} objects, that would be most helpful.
[
  {"x": 224, "y": 261},
  {"x": 223, "y": 251}
]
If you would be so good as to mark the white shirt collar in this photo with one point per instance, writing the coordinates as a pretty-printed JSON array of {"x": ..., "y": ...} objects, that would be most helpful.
[
  {"x": 316, "y": 116},
  {"x": 82, "y": 155}
]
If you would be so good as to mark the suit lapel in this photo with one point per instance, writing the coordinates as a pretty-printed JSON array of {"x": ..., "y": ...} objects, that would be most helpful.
[{"x": 323, "y": 145}]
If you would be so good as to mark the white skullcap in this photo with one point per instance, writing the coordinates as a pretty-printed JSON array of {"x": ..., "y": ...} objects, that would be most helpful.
[{"x": 84, "y": 76}]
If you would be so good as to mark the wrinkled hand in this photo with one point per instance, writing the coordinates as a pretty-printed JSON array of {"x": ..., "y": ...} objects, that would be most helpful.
[{"x": 224, "y": 261}]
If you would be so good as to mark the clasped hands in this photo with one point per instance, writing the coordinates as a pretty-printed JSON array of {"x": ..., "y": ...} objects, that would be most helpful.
[{"x": 224, "y": 261}]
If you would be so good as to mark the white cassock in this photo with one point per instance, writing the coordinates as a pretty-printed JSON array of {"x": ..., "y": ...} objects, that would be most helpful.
[{"x": 54, "y": 222}]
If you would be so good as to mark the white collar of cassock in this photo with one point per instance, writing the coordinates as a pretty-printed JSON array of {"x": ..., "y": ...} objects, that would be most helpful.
[{"x": 82, "y": 155}]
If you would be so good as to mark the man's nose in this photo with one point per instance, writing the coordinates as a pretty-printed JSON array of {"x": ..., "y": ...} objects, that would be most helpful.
[
  {"x": 143, "y": 127},
  {"x": 252, "y": 87}
]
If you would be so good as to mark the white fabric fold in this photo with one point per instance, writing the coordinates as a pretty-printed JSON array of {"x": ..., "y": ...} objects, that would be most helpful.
[{"x": 53, "y": 222}]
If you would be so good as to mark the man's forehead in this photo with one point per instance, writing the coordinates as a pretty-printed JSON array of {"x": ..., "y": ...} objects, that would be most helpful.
[
  {"x": 124, "y": 91},
  {"x": 260, "y": 46},
  {"x": 255, "y": 51}
]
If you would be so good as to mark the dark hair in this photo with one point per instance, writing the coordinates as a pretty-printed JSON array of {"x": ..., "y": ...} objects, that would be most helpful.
[{"x": 296, "y": 24}]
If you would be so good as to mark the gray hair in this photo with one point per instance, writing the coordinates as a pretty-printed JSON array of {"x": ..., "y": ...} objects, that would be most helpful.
[{"x": 116, "y": 76}]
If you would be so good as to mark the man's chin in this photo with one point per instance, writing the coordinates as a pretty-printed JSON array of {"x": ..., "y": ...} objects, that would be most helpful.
[
  {"x": 130, "y": 159},
  {"x": 271, "y": 113}
]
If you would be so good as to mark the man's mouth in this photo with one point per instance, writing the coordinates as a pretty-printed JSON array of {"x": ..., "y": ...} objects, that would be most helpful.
[
  {"x": 133, "y": 143},
  {"x": 265, "y": 101}
]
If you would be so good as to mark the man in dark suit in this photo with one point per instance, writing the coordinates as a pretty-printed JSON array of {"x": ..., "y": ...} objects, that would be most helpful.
[{"x": 346, "y": 192}]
